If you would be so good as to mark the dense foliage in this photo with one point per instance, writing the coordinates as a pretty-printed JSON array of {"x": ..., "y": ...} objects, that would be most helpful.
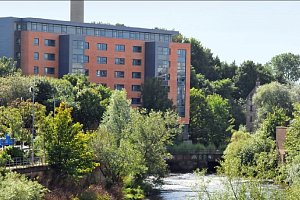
[
  {"x": 210, "y": 118},
  {"x": 17, "y": 187},
  {"x": 132, "y": 143},
  {"x": 67, "y": 146}
]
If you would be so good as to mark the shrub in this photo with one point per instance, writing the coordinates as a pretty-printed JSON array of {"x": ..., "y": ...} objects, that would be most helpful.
[{"x": 18, "y": 187}]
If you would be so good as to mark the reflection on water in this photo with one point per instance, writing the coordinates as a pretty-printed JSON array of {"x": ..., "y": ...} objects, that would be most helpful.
[{"x": 182, "y": 186}]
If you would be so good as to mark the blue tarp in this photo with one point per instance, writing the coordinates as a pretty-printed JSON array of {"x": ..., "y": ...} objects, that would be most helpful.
[{"x": 7, "y": 141}]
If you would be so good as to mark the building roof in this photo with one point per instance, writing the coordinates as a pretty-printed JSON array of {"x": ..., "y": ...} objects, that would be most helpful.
[{"x": 100, "y": 26}]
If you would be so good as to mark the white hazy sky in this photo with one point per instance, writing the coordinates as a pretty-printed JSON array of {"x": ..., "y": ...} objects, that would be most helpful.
[{"x": 237, "y": 30}]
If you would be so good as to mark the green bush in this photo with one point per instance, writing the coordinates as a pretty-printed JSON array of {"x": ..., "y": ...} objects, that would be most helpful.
[
  {"x": 4, "y": 157},
  {"x": 18, "y": 187}
]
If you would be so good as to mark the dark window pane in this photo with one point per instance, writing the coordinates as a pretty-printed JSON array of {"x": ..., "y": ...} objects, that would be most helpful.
[
  {"x": 136, "y": 74},
  {"x": 49, "y": 70}
]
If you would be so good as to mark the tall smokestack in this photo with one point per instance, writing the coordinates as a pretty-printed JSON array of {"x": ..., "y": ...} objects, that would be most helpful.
[{"x": 77, "y": 11}]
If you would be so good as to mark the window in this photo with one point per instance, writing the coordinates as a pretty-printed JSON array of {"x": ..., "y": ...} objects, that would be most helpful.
[
  {"x": 78, "y": 44},
  {"x": 51, "y": 28},
  {"x": 181, "y": 52},
  {"x": 163, "y": 51},
  {"x": 119, "y": 86},
  {"x": 78, "y": 30},
  {"x": 136, "y": 88},
  {"x": 102, "y": 60},
  {"x": 104, "y": 84},
  {"x": 18, "y": 41},
  {"x": 120, "y": 34},
  {"x": 102, "y": 47},
  {"x": 97, "y": 32},
  {"x": 77, "y": 58},
  {"x": 120, "y": 61},
  {"x": 251, "y": 108},
  {"x": 101, "y": 73},
  {"x": 64, "y": 29},
  {"x": 137, "y": 62},
  {"x": 120, "y": 47},
  {"x": 49, "y": 70},
  {"x": 18, "y": 55},
  {"x": 119, "y": 74},
  {"x": 136, "y": 101},
  {"x": 36, "y": 41},
  {"x": 49, "y": 56},
  {"x": 86, "y": 59},
  {"x": 45, "y": 28},
  {"x": 33, "y": 26},
  {"x": 137, "y": 49},
  {"x": 87, "y": 72},
  {"x": 36, "y": 55},
  {"x": 163, "y": 64},
  {"x": 134, "y": 35},
  {"x": 136, "y": 74},
  {"x": 19, "y": 27},
  {"x": 86, "y": 45},
  {"x": 50, "y": 43},
  {"x": 36, "y": 70}
]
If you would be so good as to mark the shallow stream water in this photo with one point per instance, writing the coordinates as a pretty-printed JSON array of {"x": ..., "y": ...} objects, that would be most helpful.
[{"x": 184, "y": 186}]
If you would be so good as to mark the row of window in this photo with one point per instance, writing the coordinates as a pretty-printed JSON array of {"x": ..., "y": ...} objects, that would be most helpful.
[
  {"x": 134, "y": 88},
  {"x": 118, "y": 61},
  {"x": 47, "y": 56},
  {"x": 73, "y": 30},
  {"x": 79, "y": 44},
  {"x": 47, "y": 70},
  {"x": 118, "y": 74},
  {"x": 47, "y": 42}
]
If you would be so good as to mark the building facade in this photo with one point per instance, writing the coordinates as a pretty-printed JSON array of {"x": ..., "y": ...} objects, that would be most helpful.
[
  {"x": 251, "y": 114},
  {"x": 116, "y": 56}
]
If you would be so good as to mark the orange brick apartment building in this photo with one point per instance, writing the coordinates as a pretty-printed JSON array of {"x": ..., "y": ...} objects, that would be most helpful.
[{"x": 115, "y": 56}]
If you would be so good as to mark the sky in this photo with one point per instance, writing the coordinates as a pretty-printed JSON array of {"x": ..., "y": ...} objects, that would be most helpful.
[{"x": 233, "y": 30}]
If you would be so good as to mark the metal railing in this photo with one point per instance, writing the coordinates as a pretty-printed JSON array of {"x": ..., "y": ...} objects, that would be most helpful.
[{"x": 19, "y": 162}]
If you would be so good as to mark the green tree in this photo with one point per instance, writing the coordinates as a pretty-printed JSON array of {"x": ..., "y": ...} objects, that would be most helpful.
[
  {"x": 274, "y": 118},
  {"x": 292, "y": 144},
  {"x": 18, "y": 187},
  {"x": 247, "y": 75},
  {"x": 272, "y": 95},
  {"x": 89, "y": 102},
  {"x": 286, "y": 67},
  {"x": 89, "y": 110},
  {"x": 200, "y": 116},
  {"x": 155, "y": 95},
  {"x": 119, "y": 158},
  {"x": 226, "y": 70},
  {"x": 210, "y": 119},
  {"x": 224, "y": 87},
  {"x": 66, "y": 144},
  {"x": 152, "y": 133},
  {"x": 221, "y": 121},
  {"x": 203, "y": 60},
  {"x": 8, "y": 67},
  {"x": 14, "y": 87},
  {"x": 117, "y": 115},
  {"x": 134, "y": 143}
]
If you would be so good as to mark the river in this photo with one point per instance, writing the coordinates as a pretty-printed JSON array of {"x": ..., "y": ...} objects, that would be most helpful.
[
  {"x": 184, "y": 186},
  {"x": 187, "y": 186}
]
